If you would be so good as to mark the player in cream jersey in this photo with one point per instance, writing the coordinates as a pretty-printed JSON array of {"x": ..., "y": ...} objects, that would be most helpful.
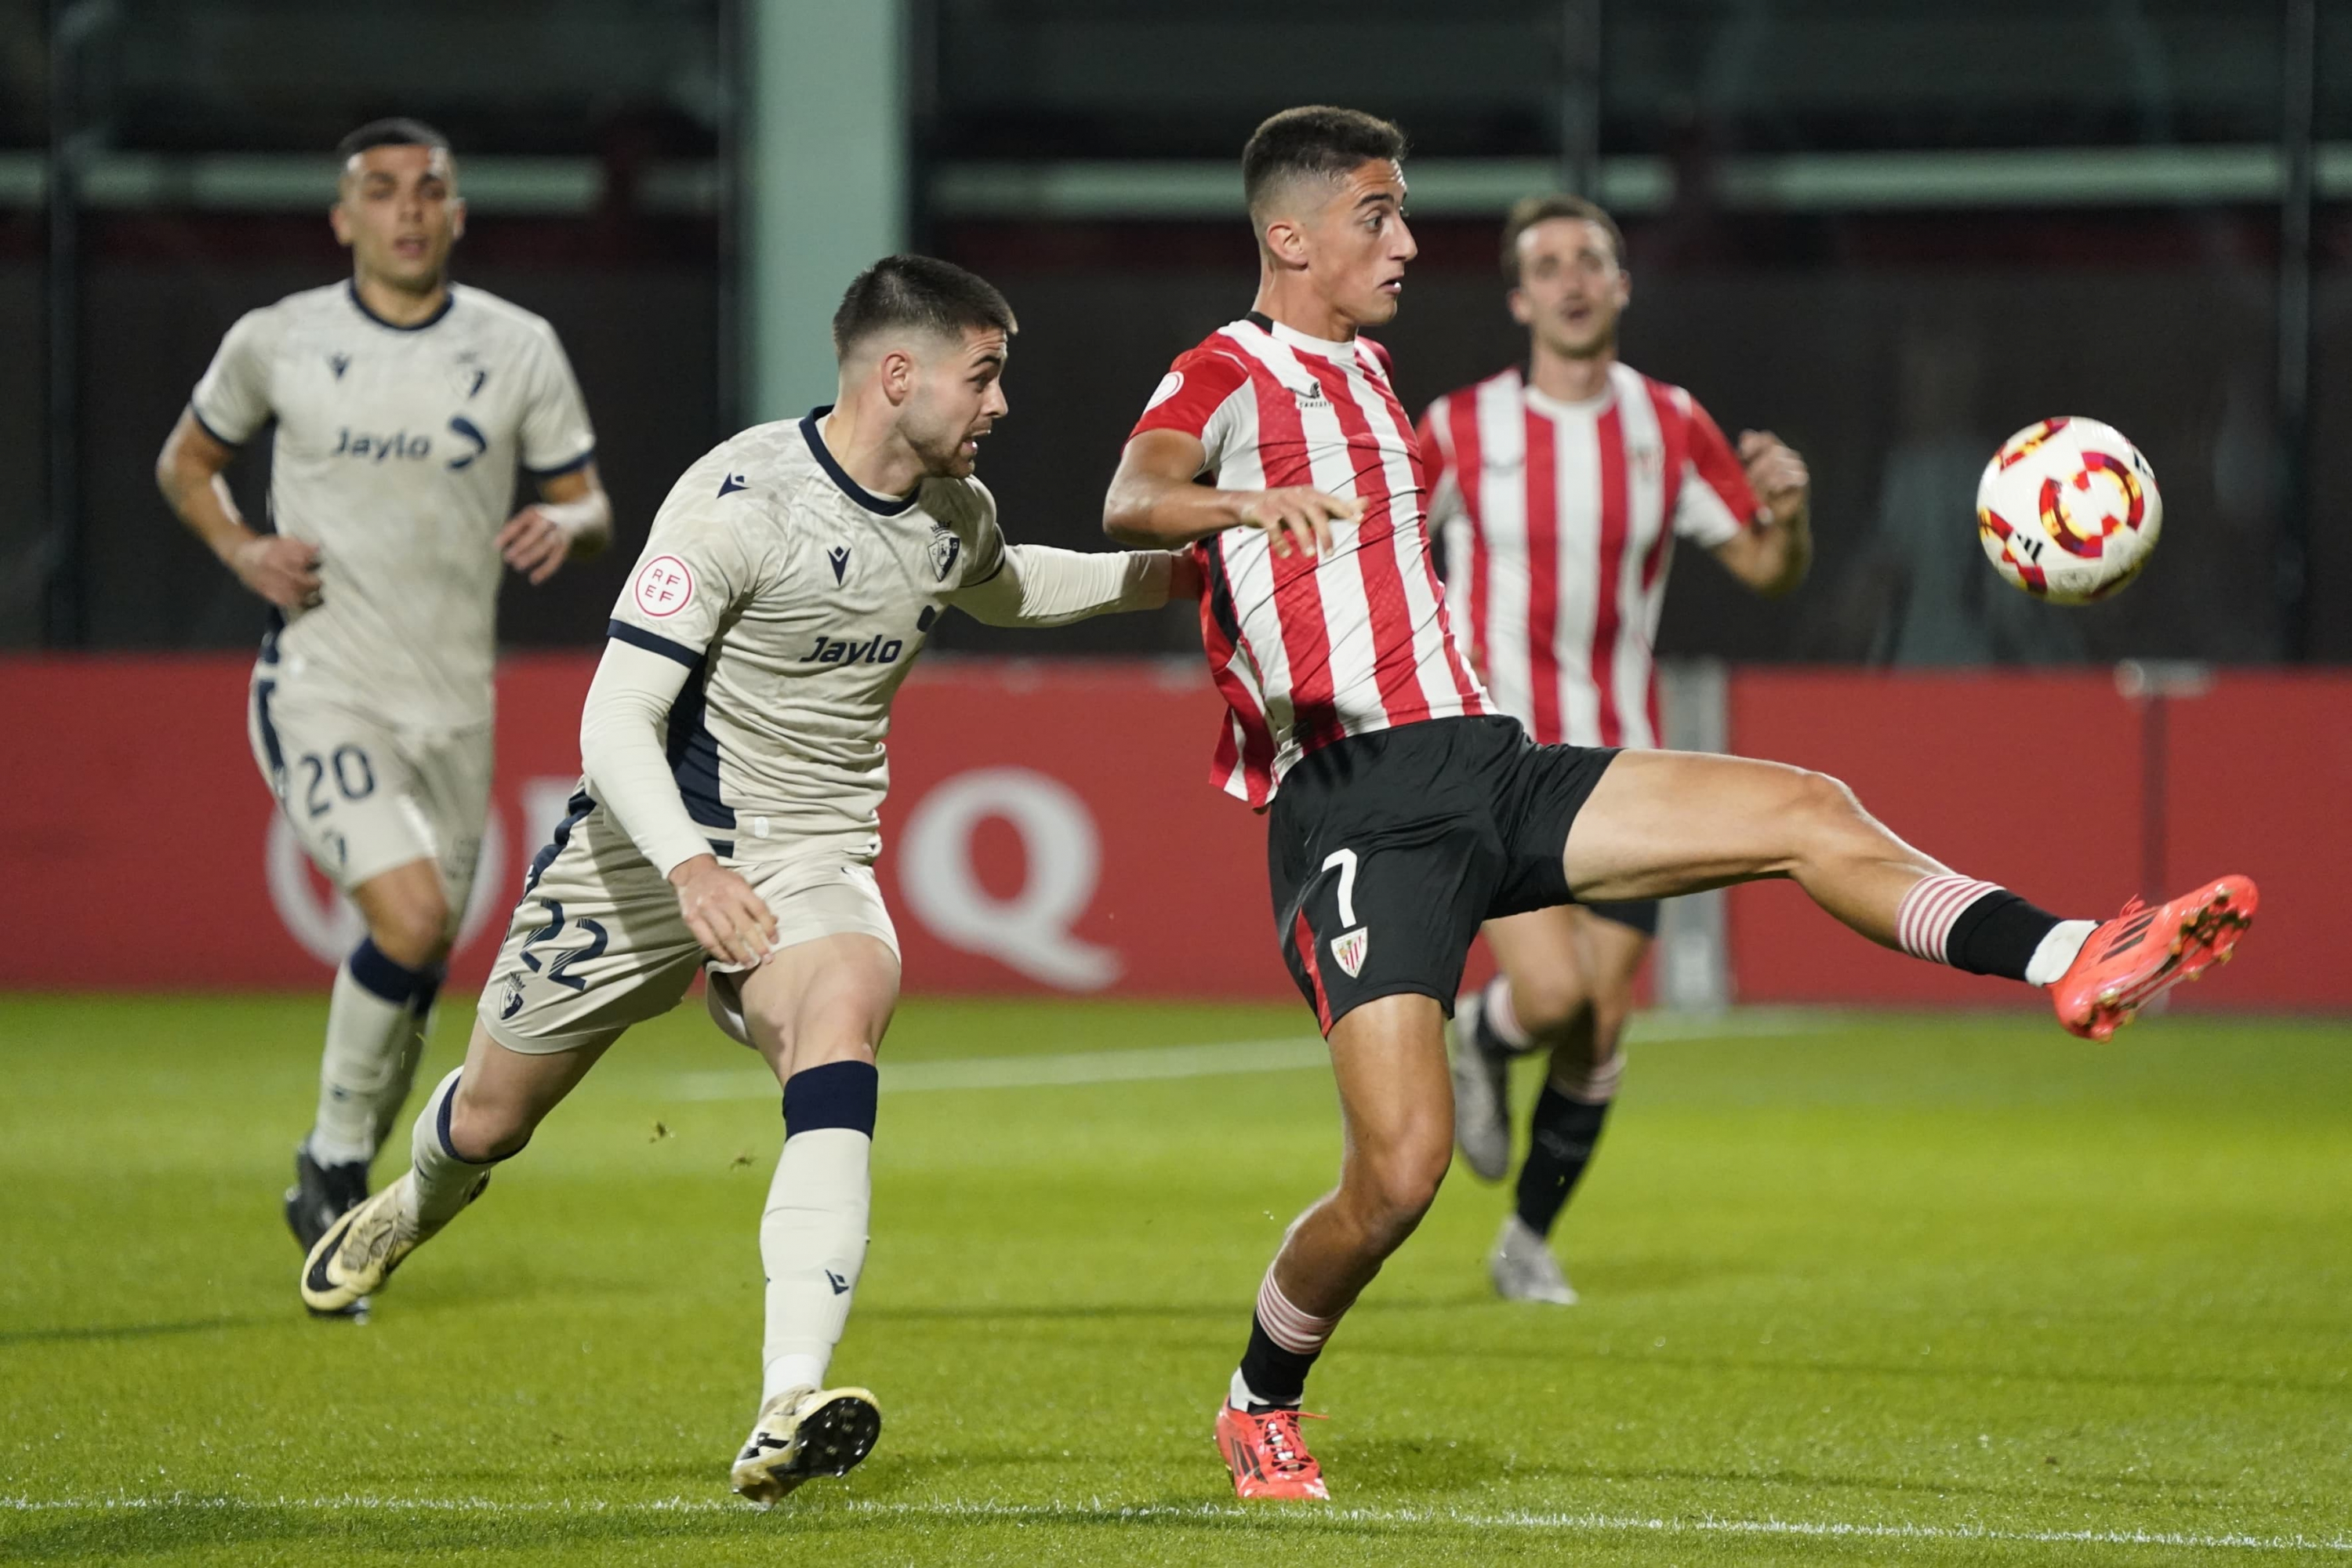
[
  {"x": 733, "y": 749},
  {"x": 404, "y": 405},
  {"x": 826, "y": 593}
]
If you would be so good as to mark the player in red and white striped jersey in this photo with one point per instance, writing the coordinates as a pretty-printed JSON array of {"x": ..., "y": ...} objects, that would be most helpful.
[
  {"x": 1560, "y": 490},
  {"x": 1305, "y": 648},
  {"x": 1402, "y": 811}
]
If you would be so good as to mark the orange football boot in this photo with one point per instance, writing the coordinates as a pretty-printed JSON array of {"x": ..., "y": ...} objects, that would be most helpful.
[
  {"x": 1267, "y": 1455},
  {"x": 2144, "y": 953}
]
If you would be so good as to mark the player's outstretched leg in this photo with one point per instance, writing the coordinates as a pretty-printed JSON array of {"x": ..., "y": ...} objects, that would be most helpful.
[
  {"x": 816, "y": 1011},
  {"x": 1396, "y": 1107},
  {"x": 383, "y": 994},
  {"x": 477, "y": 1116},
  {"x": 1663, "y": 823}
]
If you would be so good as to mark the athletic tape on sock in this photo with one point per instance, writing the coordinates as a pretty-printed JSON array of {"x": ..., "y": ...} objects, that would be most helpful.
[
  {"x": 838, "y": 1094},
  {"x": 384, "y": 977},
  {"x": 1923, "y": 922}
]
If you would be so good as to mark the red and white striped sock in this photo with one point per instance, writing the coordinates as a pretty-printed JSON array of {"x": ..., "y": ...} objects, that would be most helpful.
[
  {"x": 1924, "y": 921},
  {"x": 1285, "y": 1325}
]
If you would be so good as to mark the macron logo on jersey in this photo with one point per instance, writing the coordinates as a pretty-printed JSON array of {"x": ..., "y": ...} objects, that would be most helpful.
[{"x": 730, "y": 484}]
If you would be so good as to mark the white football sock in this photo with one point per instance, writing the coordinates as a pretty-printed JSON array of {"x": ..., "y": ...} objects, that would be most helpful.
[
  {"x": 442, "y": 1183},
  {"x": 370, "y": 1059},
  {"x": 2057, "y": 952},
  {"x": 812, "y": 1244}
]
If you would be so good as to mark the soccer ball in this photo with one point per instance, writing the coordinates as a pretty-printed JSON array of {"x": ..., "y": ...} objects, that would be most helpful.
[{"x": 2068, "y": 510}]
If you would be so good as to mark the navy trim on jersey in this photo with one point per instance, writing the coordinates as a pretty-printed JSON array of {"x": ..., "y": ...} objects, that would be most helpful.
[
  {"x": 272, "y": 624},
  {"x": 653, "y": 642},
  {"x": 556, "y": 472},
  {"x": 723, "y": 847},
  {"x": 351, "y": 289},
  {"x": 694, "y": 754},
  {"x": 206, "y": 426},
  {"x": 886, "y": 506}
]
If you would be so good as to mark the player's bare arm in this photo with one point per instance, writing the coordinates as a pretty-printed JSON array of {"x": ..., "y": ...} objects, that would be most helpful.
[
  {"x": 572, "y": 520},
  {"x": 1154, "y": 501},
  {"x": 1773, "y": 556},
  {"x": 189, "y": 472}
]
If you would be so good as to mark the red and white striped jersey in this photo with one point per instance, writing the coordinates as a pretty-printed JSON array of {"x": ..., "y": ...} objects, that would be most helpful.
[
  {"x": 1306, "y": 651},
  {"x": 1558, "y": 519}
]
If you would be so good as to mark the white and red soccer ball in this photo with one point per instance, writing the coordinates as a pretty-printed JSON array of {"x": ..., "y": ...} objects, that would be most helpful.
[{"x": 2068, "y": 510}]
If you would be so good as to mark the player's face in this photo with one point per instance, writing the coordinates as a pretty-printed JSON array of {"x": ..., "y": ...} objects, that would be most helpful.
[
  {"x": 957, "y": 398},
  {"x": 400, "y": 213},
  {"x": 1571, "y": 288},
  {"x": 1357, "y": 244}
]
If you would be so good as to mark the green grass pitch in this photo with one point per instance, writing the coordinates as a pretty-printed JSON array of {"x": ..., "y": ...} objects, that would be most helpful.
[{"x": 1858, "y": 1288}]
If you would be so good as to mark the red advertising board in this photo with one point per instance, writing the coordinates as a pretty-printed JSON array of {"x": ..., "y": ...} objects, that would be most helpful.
[{"x": 1050, "y": 827}]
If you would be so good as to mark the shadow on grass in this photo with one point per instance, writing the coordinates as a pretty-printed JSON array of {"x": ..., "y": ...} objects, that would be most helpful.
[
  {"x": 1176, "y": 1530},
  {"x": 130, "y": 1330},
  {"x": 1941, "y": 1370},
  {"x": 130, "y": 1534},
  {"x": 1238, "y": 1309}
]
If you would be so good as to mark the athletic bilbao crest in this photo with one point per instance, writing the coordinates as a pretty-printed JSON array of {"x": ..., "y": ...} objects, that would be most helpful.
[
  {"x": 1349, "y": 947},
  {"x": 945, "y": 548}
]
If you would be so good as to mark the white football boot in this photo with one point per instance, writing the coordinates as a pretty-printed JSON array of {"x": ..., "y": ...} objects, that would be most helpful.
[
  {"x": 1481, "y": 1097},
  {"x": 359, "y": 1250},
  {"x": 1524, "y": 1269},
  {"x": 803, "y": 1432}
]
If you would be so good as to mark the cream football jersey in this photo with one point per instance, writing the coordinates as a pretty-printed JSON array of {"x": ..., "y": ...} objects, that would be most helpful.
[
  {"x": 396, "y": 455},
  {"x": 798, "y": 601}
]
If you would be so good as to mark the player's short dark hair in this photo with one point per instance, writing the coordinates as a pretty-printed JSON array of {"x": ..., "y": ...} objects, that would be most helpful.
[
  {"x": 1317, "y": 141},
  {"x": 399, "y": 131},
  {"x": 1530, "y": 211},
  {"x": 921, "y": 292}
]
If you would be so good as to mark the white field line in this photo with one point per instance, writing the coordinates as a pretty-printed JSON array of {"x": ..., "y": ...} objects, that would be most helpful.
[
  {"x": 1288, "y": 1054},
  {"x": 1094, "y": 1510}
]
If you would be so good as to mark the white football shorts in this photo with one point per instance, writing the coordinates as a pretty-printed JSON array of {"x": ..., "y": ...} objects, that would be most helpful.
[
  {"x": 365, "y": 796},
  {"x": 597, "y": 943}
]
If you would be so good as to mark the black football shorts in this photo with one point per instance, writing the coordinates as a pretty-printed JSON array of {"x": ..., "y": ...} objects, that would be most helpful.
[{"x": 1387, "y": 851}]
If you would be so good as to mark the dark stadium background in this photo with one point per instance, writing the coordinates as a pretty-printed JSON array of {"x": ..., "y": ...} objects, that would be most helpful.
[{"x": 1792, "y": 284}]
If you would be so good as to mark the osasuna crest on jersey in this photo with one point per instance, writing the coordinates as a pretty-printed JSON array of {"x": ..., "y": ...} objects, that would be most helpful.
[
  {"x": 945, "y": 548},
  {"x": 1349, "y": 948}
]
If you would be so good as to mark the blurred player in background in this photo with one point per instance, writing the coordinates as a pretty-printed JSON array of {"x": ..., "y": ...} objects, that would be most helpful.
[
  {"x": 1558, "y": 492},
  {"x": 405, "y": 406},
  {"x": 1403, "y": 810},
  {"x": 733, "y": 748}
]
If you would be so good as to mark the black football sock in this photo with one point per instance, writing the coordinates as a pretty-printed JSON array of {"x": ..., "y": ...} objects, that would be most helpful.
[
  {"x": 1274, "y": 1377},
  {"x": 1997, "y": 935},
  {"x": 1565, "y": 1131}
]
